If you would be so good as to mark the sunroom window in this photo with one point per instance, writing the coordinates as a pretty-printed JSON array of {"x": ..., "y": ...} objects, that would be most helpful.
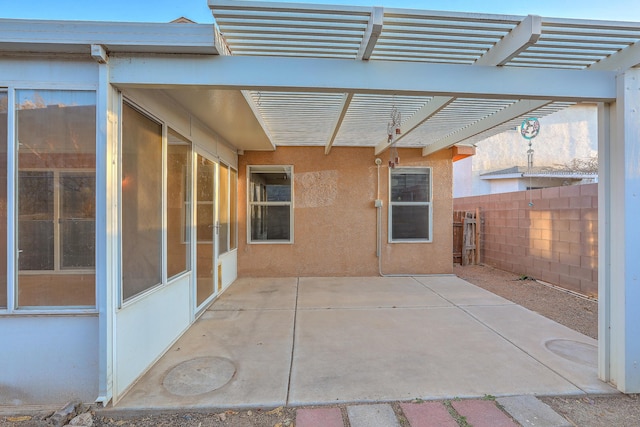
[
  {"x": 178, "y": 204},
  {"x": 141, "y": 202},
  {"x": 271, "y": 204},
  {"x": 410, "y": 210},
  {"x": 156, "y": 222},
  {"x": 56, "y": 193},
  {"x": 227, "y": 208}
]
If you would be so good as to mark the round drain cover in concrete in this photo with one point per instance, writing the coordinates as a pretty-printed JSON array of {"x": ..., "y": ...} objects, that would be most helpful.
[
  {"x": 198, "y": 376},
  {"x": 579, "y": 352}
]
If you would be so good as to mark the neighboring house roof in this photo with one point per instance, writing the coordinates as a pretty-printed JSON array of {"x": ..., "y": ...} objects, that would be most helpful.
[
  {"x": 538, "y": 172},
  {"x": 183, "y": 20}
]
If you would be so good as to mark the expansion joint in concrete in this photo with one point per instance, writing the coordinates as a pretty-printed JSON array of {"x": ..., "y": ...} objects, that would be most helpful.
[{"x": 293, "y": 339}]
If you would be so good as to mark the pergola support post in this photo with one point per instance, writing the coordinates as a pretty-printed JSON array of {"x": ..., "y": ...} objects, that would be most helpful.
[{"x": 619, "y": 236}]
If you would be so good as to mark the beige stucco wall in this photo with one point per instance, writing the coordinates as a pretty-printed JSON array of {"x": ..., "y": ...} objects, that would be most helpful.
[{"x": 335, "y": 217}]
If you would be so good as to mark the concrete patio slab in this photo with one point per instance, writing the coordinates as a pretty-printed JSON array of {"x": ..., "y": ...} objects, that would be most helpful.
[
  {"x": 359, "y": 292},
  {"x": 257, "y": 342},
  {"x": 569, "y": 353},
  {"x": 373, "y": 355},
  {"x": 460, "y": 292},
  {"x": 326, "y": 340},
  {"x": 259, "y": 294}
]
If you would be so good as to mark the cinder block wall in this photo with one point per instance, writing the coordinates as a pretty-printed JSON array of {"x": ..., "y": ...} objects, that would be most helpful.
[{"x": 555, "y": 240}]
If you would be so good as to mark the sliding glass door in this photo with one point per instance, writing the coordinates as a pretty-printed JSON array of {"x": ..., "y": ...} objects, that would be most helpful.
[{"x": 206, "y": 230}]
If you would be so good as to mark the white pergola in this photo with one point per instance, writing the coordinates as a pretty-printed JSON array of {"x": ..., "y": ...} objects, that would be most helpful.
[
  {"x": 285, "y": 74},
  {"x": 328, "y": 75}
]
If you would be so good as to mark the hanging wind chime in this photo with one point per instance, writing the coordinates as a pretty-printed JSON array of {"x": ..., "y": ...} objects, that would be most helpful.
[
  {"x": 529, "y": 129},
  {"x": 393, "y": 131}
]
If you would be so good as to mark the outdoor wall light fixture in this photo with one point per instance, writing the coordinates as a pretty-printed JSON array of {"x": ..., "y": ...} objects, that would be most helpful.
[{"x": 393, "y": 130}]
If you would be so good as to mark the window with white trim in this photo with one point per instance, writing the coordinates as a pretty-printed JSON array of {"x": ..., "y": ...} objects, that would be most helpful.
[
  {"x": 270, "y": 204},
  {"x": 410, "y": 210}
]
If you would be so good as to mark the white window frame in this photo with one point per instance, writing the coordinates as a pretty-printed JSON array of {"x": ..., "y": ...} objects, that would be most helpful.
[
  {"x": 429, "y": 203},
  {"x": 251, "y": 203}
]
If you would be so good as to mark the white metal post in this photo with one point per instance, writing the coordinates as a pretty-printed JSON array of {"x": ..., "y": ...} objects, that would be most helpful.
[
  {"x": 604, "y": 247},
  {"x": 106, "y": 212},
  {"x": 619, "y": 288}
]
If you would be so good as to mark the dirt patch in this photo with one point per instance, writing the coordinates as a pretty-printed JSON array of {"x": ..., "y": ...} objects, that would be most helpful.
[
  {"x": 280, "y": 417},
  {"x": 619, "y": 411}
]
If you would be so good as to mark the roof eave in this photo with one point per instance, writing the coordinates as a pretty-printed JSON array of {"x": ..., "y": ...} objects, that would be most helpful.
[{"x": 40, "y": 36}]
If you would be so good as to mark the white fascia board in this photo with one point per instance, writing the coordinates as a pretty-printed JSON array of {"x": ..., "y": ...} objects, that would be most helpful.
[
  {"x": 246, "y": 5},
  {"x": 565, "y": 176},
  {"x": 509, "y": 113},
  {"x": 519, "y": 39},
  {"x": 436, "y": 104},
  {"x": 505, "y": 176},
  {"x": 620, "y": 61},
  {"x": 78, "y": 36},
  {"x": 366, "y": 77}
]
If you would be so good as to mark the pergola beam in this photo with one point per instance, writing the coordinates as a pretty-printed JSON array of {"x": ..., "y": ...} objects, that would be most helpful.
[
  {"x": 436, "y": 104},
  {"x": 519, "y": 39},
  {"x": 346, "y": 101},
  {"x": 622, "y": 60},
  {"x": 371, "y": 35},
  {"x": 258, "y": 115},
  {"x": 514, "y": 110},
  {"x": 369, "y": 40},
  {"x": 348, "y": 76}
]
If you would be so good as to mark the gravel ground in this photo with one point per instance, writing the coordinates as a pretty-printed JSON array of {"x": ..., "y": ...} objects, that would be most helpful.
[{"x": 580, "y": 314}]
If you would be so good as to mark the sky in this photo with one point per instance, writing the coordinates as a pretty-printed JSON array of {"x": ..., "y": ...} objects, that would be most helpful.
[{"x": 198, "y": 10}]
